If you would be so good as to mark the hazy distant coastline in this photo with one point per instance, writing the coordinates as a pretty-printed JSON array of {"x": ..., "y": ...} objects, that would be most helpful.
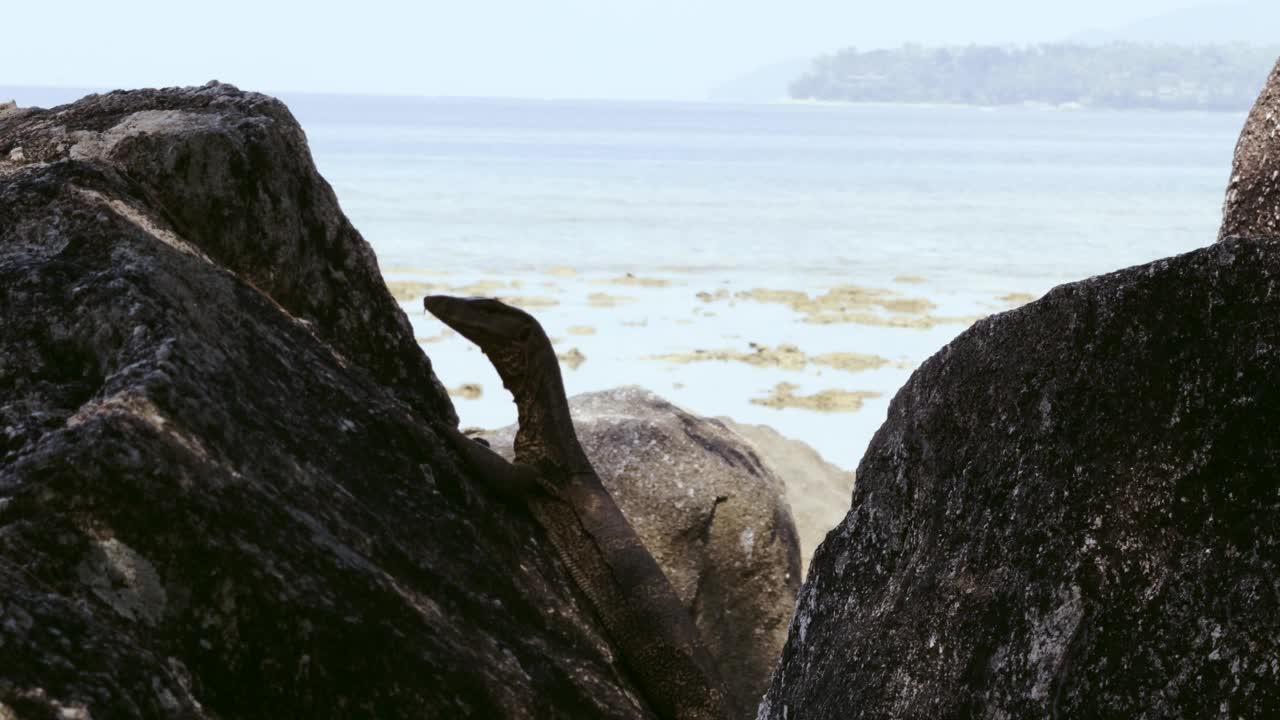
[{"x": 1114, "y": 75}]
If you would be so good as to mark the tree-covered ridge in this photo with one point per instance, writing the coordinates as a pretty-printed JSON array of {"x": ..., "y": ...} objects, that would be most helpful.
[{"x": 1115, "y": 75}]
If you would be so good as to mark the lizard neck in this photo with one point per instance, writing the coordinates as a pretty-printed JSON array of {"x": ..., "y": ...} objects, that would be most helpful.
[{"x": 546, "y": 431}]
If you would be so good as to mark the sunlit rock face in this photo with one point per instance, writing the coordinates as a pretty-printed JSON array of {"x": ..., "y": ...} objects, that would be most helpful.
[
  {"x": 222, "y": 490},
  {"x": 1072, "y": 510},
  {"x": 1252, "y": 206}
]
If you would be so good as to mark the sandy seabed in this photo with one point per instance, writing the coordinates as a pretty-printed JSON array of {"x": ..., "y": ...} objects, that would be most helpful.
[{"x": 815, "y": 359}]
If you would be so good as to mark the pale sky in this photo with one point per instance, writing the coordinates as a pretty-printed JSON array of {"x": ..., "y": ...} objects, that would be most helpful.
[{"x": 529, "y": 48}]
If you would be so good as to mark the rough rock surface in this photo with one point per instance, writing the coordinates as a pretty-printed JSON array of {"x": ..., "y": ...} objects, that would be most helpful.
[
  {"x": 713, "y": 515},
  {"x": 241, "y": 188},
  {"x": 1072, "y": 510},
  {"x": 1252, "y": 206},
  {"x": 817, "y": 491},
  {"x": 221, "y": 493}
]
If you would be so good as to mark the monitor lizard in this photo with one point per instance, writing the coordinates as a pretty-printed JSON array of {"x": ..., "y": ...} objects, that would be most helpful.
[{"x": 640, "y": 610}]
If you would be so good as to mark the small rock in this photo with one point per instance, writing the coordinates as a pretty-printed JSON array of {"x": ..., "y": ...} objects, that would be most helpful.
[
  {"x": 572, "y": 358},
  {"x": 467, "y": 391},
  {"x": 125, "y": 580}
]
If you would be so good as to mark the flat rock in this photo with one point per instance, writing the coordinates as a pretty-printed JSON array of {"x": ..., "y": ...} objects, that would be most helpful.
[
  {"x": 1252, "y": 206},
  {"x": 709, "y": 510},
  {"x": 1072, "y": 510},
  {"x": 222, "y": 490}
]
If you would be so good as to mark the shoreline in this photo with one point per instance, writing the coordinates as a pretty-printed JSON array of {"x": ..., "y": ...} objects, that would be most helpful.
[
  {"x": 815, "y": 359},
  {"x": 49, "y": 96}
]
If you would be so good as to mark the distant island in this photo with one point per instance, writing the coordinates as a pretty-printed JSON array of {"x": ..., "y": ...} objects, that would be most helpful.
[{"x": 1111, "y": 75}]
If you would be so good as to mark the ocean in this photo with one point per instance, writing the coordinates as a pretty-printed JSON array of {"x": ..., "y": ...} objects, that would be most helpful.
[
  {"x": 641, "y": 233},
  {"x": 522, "y": 184},
  {"x": 976, "y": 209}
]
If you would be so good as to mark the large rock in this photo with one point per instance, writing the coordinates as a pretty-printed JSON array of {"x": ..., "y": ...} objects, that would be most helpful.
[
  {"x": 1252, "y": 206},
  {"x": 221, "y": 490},
  {"x": 1072, "y": 510},
  {"x": 817, "y": 491},
  {"x": 713, "y": 515},
  {"x": 233, "y": 177}
]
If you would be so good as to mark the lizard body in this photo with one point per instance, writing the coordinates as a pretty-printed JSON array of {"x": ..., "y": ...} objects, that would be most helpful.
[{"x": 635, "y": 601}]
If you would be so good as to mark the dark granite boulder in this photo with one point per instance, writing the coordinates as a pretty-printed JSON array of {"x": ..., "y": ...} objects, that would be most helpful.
[
  {"x": 222, "y": 494},
  {"x": 1072, "y": 510},
  {"x": 1252, "y": 206}
]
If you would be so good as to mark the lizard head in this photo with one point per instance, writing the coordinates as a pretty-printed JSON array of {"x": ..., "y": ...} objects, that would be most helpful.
[
  {"x": 512, "y": 338},
  {"x": 522, "y": 354}
]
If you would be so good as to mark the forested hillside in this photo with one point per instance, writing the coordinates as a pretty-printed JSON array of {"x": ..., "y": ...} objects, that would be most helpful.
[{"x": 1114, "y": 75}]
